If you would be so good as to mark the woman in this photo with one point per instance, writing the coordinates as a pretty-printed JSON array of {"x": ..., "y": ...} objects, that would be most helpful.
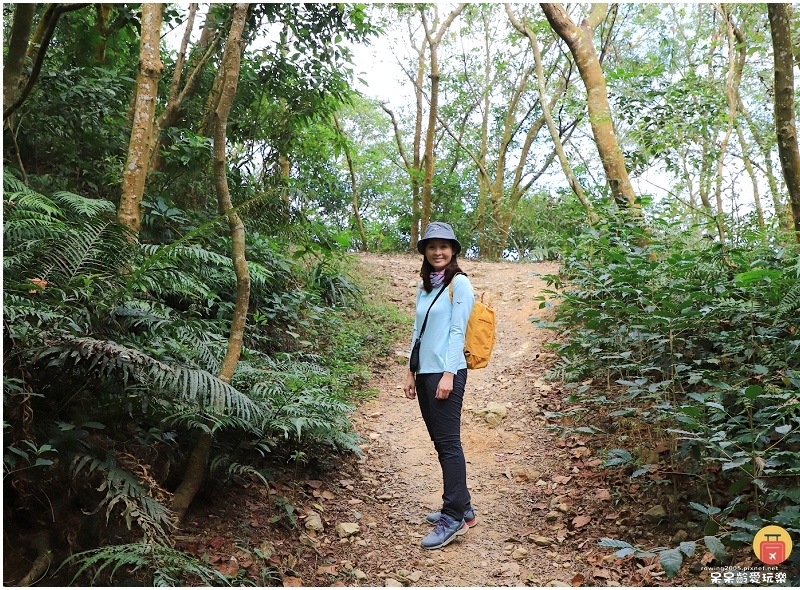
[{"x": 439, "y": 380}]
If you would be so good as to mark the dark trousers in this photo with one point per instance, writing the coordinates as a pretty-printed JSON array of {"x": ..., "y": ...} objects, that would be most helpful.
[{"x": 443, "y": 419}]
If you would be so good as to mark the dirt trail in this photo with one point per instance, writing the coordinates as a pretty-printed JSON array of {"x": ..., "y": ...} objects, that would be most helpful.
[
  {"x": 510, "y": 466},
  {"x": 542, "y": 503}
]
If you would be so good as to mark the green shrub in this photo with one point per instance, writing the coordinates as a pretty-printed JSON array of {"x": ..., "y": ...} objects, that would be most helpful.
[{"x": 702, "y": 339}]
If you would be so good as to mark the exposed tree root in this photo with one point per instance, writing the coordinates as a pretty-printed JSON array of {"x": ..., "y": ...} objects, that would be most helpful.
[{"x": 41, "y": 542}]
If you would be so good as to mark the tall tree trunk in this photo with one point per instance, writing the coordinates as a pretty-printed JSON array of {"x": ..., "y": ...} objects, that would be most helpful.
[
  {"x": 413, "y": 165},
  {"x": 229, "y": 74},
  {"x": 748, "y": 165},
  {"x": 102, "y": 14},
  {"x": 766, "y": 152},
  {"x": 38, "y": 47},
  {"x": 416, "y": 166},
  {"x": 353, "y": 184},
  {"x": 559, "y": 147},
  {"x": 137, "y": 165},
  {"x": 785, "y": 126},
  {"x": 579, "y": 41},
  {"x": 17, "y": 47},
  {"x": 173, "y": 111},
  {"x": 434, "y": 38},
  {"x": 201, "y": 54}
]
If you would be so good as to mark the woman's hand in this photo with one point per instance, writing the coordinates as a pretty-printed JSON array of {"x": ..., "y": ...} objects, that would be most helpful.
[
  {"x": 411, "y": 386},
  {"x": 445, "y": 386}
]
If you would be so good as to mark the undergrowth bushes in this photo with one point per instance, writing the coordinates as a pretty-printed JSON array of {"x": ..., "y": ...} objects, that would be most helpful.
[
  {"x": 111, "y": 351},
  {"x": 699, "y": 343}
]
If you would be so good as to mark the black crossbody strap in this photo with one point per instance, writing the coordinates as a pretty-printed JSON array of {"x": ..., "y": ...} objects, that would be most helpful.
[{"x": 425, "y": 321}]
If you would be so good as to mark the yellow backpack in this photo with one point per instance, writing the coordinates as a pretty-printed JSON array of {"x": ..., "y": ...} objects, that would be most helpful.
[{"x": 479, "y": 339}]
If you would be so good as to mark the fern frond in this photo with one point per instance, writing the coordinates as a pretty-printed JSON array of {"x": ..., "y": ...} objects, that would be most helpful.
[
  {"x": 261, "y": 277},
  {"x": 16, "y": 308},
  {"x": 19, "y": 197},
  {"x": 160, "y": 282},
  {"x": 182, "y": 256},
  {"x": 112, "y": 360},
  {"x": 28, "y": 215},
  {"x": 789, "y": 304},
  {"x": 125, "y": 491},
  {"x": 167, "y": 566},
  {"x": 222, "y": 464},
  {"x": 99, "y": 248},
  {"x": 83, "y": 206},
  {"x": 192, "y": 341}
]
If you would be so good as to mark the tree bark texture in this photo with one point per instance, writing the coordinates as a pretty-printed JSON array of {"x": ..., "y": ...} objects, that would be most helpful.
[
  {"x": 785, "y": 125},
  {"x": 17, "y": 47},
  {"x": 139, "y": 148},
  {"x": 229, "y": 75},
  {"x": 579, "y": 41}
]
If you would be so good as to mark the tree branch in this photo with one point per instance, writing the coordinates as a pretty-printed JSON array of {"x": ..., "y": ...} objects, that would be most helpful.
[{"x": 37, "y": 66}]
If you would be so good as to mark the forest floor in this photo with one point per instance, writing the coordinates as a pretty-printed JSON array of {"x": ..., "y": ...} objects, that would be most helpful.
[{"x": 542, "y": 501}]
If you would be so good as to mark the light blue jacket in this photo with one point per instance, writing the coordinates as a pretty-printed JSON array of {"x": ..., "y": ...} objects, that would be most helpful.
[{"x": 442, "y": 345}]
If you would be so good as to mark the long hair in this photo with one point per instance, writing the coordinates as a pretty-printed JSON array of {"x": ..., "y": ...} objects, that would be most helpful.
[{"x": 450, "y": 271}]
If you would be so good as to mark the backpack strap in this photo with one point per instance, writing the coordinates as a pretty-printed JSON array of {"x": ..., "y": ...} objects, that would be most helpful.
[
  {"x": 450, "y": 289},
  {"x": 425, "y": 321}
]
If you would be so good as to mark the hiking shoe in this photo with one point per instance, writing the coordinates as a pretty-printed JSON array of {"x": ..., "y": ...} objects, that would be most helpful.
[
  {"x": 469, "y": 517},
  {"x": 446, "y": 530}
]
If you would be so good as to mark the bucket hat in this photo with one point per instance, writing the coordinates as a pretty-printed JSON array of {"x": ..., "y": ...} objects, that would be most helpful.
[{"x": 439, "y": 230}]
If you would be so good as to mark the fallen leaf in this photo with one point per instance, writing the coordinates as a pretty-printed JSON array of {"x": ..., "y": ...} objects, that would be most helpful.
[
  {"x": 327, "y": 570},
  {"x": 578, "y": 579},
  {"x": 228, "y": 568},
  {"x": 580, "y": 521},
  {"x": 602, "y": 494},
  {"x": 600, "y": 572},
  {"x": 216, "y": 542},
  {"x": 707, "y": 558},
  {"x": 314, "y": 484},
  {"x": 291, "y": 581},
  {"x": 328, "y": 495}
]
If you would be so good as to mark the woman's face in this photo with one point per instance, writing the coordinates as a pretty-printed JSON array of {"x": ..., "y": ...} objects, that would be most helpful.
[{"x": 439, "y": 253}]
